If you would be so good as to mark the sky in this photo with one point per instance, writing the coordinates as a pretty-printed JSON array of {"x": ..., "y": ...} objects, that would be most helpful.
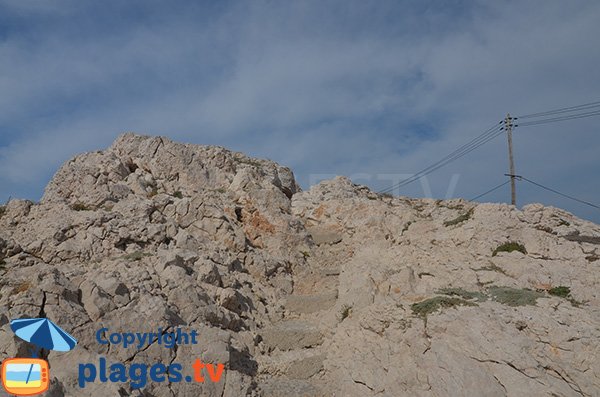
[{"x": 374, "y": 90}]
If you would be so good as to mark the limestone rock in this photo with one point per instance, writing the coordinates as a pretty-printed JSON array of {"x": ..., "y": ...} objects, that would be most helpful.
[{"x": 333, "y": 291}]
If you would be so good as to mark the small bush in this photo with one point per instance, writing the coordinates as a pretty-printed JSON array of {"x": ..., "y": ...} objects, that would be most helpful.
[
  {"x": 564, "y": 292},
  {"x": 80, "y": 207},
  {"x": 460, "y": 219},
  {"x": 560, "y": 291},
  {"x": 136, "y": 256},
  {"x": 462, "y": 293},
  {"x": 345, "y": 312},
  {"x": 515, "y": 297},
  {"x": 428, "y": 306},
  {"x": 178, "y": 194},
  {"x": 2, "y": 264},
  {"x": 2, "y": 210},
  {"x": 510, "y": 247}
]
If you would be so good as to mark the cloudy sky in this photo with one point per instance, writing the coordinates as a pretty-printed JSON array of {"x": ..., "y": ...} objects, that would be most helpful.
[{"x": 375, "y": 90}]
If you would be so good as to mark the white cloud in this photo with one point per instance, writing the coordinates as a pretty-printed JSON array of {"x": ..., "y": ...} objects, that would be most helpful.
[{"x": 347, "y": 89}]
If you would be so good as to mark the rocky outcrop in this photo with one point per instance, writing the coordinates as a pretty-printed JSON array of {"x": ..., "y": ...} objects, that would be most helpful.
[{"x": 335, "y": 291}]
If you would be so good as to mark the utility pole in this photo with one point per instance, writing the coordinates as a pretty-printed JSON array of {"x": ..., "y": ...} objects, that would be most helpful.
[{"x": 508, "y": 127}]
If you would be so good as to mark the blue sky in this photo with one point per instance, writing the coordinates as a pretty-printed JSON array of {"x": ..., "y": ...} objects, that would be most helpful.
[{"x": 367, "y": 89}]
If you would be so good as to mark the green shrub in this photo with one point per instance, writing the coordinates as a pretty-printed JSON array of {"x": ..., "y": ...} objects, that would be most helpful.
[
  {"x": 462, "y": 293},
  {"x": 510, "y": 247},
  {"x": 431, "y": 305},
  {"x": 564, "y": 292},
  {"x": 178, "y": 194},
  {"x": 460, "y": 219},
  {"x": 514, "y": 297},
  {"x": 560, "y": 291},
  {"x": 2, "y": 210}
]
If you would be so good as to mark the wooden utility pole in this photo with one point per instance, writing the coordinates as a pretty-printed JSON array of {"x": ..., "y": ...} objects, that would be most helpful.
[{"x": 508, "y": 128}]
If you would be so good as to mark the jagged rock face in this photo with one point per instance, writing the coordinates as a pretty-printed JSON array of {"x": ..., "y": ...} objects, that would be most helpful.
[{"x": 332, "y": 291}]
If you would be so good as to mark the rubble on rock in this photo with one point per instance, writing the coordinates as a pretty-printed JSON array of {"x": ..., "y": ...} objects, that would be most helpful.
[{"x": 334, "y": 291}]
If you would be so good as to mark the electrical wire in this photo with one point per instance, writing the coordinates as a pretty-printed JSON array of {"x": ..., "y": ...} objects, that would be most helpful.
[
  {"x": 585, "y": 106},
  {"x": 559, "y": 193},
  {"x": 562, "y": 114},
  {"x": 561, "y": 118},
  {"x": 491, "y": 190},
  {"x": 475, "y": 143}
]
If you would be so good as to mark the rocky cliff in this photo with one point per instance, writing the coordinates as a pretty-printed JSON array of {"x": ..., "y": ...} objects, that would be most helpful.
[{"x": 335, "y": 291}]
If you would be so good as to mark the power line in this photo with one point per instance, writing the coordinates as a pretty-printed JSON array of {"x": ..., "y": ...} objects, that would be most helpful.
[
  {"x": 475, "y": 143},
  {"x": 557, "y": 192},
  {"x": 491, "y": 190},
  {"x": 562, "y": 110},
  {"x": 551, "y": 116},
  {"x": 561, "y": 118}
]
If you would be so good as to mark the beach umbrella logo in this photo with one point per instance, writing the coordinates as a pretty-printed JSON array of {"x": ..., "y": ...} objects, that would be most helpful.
[
  {"x": 31, "y": 376},
  {"x": 43, "y": 333}
]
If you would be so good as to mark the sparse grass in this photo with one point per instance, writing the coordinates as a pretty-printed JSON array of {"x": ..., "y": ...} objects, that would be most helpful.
[
  {"x": 460, "y": 219},
  {"x": 178, "y": 194},
  {"x": 515, "y": 297},
  {"x": 431, "y": 305},
  {"x": 462, "y": 293},
  {"x": 136, "y": 256},
  {"x": 305, "y": 254},
  {"x": 345, "y": 312},
  {"x": 80, "y": 207},
  {"x": 492, "y": 268},
  {"x": 510, "y": 247}
]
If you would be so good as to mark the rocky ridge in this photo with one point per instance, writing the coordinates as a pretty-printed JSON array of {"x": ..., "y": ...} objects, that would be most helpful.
[{"x": 334, "y": 291}]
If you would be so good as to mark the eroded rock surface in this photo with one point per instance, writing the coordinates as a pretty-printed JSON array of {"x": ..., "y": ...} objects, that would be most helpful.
[{"x": 335, "y": 291}]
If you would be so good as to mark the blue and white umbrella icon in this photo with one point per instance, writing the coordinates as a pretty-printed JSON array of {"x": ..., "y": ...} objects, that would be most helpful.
[{"x": 43, "y": 333}]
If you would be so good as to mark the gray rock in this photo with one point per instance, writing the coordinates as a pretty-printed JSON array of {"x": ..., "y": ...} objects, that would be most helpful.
[{"x": 332, "y": 291}]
